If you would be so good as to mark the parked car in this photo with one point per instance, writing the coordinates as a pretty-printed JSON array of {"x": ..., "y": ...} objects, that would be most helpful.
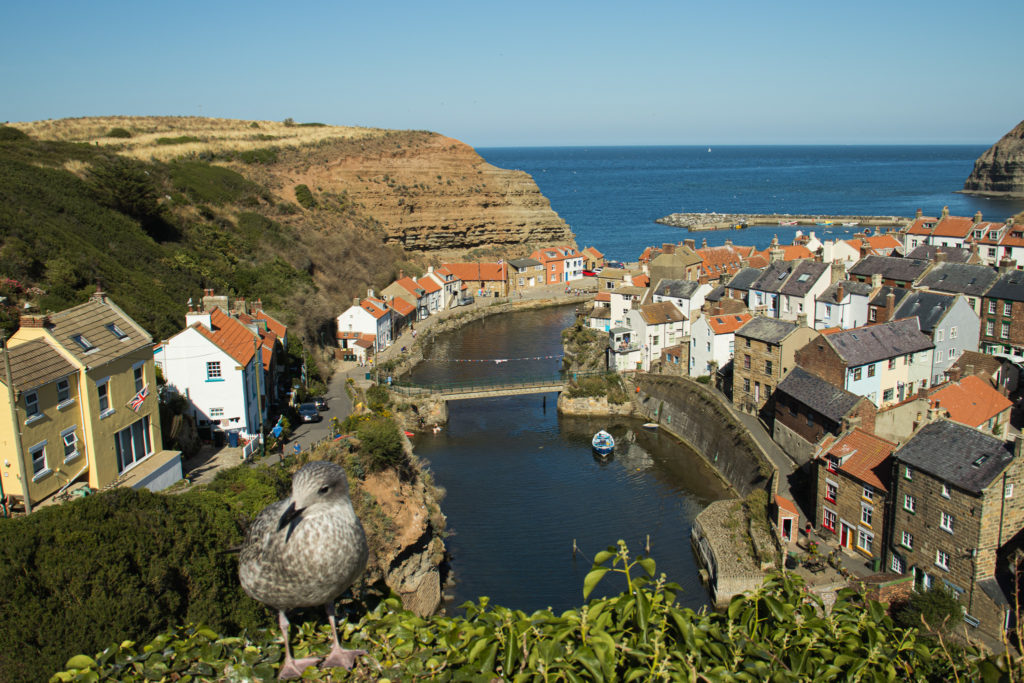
[
  {"x": 589, "y": 273},
  {"x": 309, "y": 413},
  {"x": 320, "y": 402}
]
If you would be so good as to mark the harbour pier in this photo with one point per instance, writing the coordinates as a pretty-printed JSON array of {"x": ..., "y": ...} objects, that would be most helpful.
[{"x": 729, "y": 221}]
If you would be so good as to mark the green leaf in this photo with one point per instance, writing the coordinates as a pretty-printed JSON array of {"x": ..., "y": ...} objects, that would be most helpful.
[
  {"x": 80, "y": 662},
  {"x": 648, "y": 564},
  {"x": 604, "y": 556},
  {"x": 592, "y": 579}
]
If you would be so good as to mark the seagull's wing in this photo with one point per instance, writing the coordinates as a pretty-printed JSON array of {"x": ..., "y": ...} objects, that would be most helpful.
[{"x": 262, "y": 530}]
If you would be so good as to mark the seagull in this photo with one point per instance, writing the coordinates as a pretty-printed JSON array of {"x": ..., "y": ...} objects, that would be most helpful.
[{"x": 303, "y": 551}]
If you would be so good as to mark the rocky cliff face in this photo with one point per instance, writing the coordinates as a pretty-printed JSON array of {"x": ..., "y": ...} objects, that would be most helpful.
[
  {"x": 429, "y": 192},
  {"x": 1000, "y": 170}
]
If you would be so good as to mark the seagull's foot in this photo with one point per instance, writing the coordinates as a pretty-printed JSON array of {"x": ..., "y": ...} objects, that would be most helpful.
[
  {"x": 293, "y": 668},
  {"x": 341, "y": 657}
]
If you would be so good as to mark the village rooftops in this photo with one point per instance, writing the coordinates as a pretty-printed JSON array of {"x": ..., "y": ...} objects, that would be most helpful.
[
  {"x": 863, "y": 456},
  {"x": 890, "y": 268},
  {"x": 927, "y": 307},
  {"x": 275, "y": 326},
  {"x": 774, "y": 276},
  {"x": 831, "y": 295},
  {"x": 36, "y": 363},
  {"x": 229, "y": 335},
  {"x": 522, "y": 263},
  {"x": 882, "y": 295},
  {"x": 401, "y": 306},
  {"x": 375, "y": 307},
  {"x": 954, "y": 226},
  {"x": 661, "y": 313},
  {"x": 677, "y": 289},
  {"x": 881, "y": 244},
  {"x": 1009, "y": 286},
  {"x": 727, "y": 324},
  {"x": 428, "y": 284},
  {"x": 814, "y": 392},
  {"x": 770, "y": 330},
  {"x": 980, "y": 363},
  {"x": 971, "y": 401},
  {"x": 959, "y": 278},
  {"x": 872, "y": 343},
  {"x": 95, "y": 332},
  {"x": 957, "y": 454},
  {"x": 743, "y": 278},
  {"x": 951, "y": 254},
  {"x": 715, "y": 294},
  {"x": 804, "y": 276},
  {"x": 629, "y": 290},
  {"x": 478, "y": 272},
  {"x": 410, "y": 285}
]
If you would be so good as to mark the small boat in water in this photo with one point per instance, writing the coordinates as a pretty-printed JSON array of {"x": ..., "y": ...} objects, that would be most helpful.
[
  {"x": 650, "y": 425},
  {"x": 851, "y": 224},
  {"x": 787, "y": 223},
  {"x": 603, "y": 443}
]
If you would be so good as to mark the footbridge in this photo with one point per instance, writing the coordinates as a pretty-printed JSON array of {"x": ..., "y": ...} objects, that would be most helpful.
[{"x": 491, "y": 386}]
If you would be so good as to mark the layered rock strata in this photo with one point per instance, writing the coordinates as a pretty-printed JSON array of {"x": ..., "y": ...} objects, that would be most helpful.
[{"x": 1000, "y": 170}]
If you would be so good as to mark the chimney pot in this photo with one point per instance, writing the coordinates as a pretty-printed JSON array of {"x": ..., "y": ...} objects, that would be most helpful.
[{"x": 945, "y": 212}]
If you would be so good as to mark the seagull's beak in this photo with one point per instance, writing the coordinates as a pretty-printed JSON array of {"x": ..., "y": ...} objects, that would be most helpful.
[{"x": 290, "y": 518}]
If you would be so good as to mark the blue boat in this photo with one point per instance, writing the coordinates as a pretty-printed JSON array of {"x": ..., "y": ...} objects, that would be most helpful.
[{"x": 603, "y": 443}]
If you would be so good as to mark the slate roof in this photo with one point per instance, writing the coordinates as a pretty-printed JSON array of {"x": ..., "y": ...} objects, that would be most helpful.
[
  {"x": 1008, "y": 286},
  {"x": 927, "y": 307},
  {"x": 677, "y": 289},
  {"x": 715, "y": 294},
  {"x": 957, "y": 454},
  {"x": 873, "y": 343},
  {"x": 953, "y": 254},
  {"x": 881, "y": 296},
  {"x": 814, "y": 392},
  {"x": 891, "y": 267},
  {"x": 771, "y": 330},
  {"x": 743, "y": 278},
  {"x": 91, "y": 320},
  {"x": 849, "y": 287},
  {"x": 774, "y": 276},
  {"x": 981, "y": 363},
  {"x": 959, "y": 278},
  {"x": 798, "y": 284},
  {"x": 36, "y": 363},
  {"x": 520, "y": 263}
]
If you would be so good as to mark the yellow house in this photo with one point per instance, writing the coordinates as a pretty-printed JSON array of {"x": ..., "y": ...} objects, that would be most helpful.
[{"x": 83, "y": 386}]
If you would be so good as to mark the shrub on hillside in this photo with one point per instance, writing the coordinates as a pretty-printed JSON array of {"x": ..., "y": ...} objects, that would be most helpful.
[
  {"x": 378, "y": 398},
  {"x": 304, "y": 196},
  {"x": 118, "y": 133},
  {"x": 211, "y": 184},
  {"x": 381, "y": 445},
  {"x": 116, "y": 565},
  {"x": 179, "y": 140},
  {"x": 937, "y": 607},
  {"x": 10, "y": 133}
]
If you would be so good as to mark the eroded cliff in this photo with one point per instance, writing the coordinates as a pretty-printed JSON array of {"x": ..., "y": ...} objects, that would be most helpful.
[{"x": 1000, "y": 170}]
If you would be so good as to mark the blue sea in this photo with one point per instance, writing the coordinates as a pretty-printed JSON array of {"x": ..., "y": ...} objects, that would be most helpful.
[{"x": 611, "y": 196}]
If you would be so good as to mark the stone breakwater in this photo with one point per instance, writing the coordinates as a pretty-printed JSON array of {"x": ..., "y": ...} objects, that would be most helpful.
[{"x": 726, "y": 221}]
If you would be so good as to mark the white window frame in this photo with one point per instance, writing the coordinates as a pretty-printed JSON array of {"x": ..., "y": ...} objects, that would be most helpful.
[
  {"x": 907, "y": 540},
  {"x": 67, "y": 389},
  {"x": 866, "y": 514},
  {"x": 103, "y": 395},
  {"x": 945, "y": 490},
  {"x": 39, "y": 448},
  {"x": 896, "y": 564},
  {"x": 71, "y": 443},
  {"x": 32, "y": 410},
  {"x": 868, "y": 493},
  {"x": 826, "y": 517},
  {"x": 216, "y": 412},
  {"x": 1008, "y": 491},
  {"x": 908, "y": 473},
  {"x": 213, "y": 370},
  {"x": 139, "y": 375},
  {"x": 952, "y": 332},
  {"x": 1007, "y": 309},
  {"x": 865, "y": 539},
  {"x": 939, "y": 335},
  {"x": 942, "y": 560},
  {"x": 946, "y": 521},
  {"x": 909, "y": 502},
  {"x": 835, "y": 489}
]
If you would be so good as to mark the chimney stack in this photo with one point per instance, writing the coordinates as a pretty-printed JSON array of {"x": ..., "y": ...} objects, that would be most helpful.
[
  {"x": 954, "y": 373},
  {"x": 918, "y": 213},
  {"x": 801, "y": 319},
  {"x": 1006, "y": 264},
  {"x": 945, "y": 212},
  {"x": 704, "y": 243},
  {"x": 776, "y": 253},
  {"x": 977, "y": 217},
  {"x": 876, "y": 280},
  {"x": 840, "y": 293},
  {"x": 940, "y": 256},
  {"x": 838, "y": 271},
  {"x": 970, "y": 369},
  {"x": 34, "y": 321},
  {"x": 692, "y": 244}
]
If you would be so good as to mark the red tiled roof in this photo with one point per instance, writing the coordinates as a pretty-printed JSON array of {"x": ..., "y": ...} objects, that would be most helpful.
[
  {"x": 971, "y": 401},
  {"x": 757, "y": 260},
  {"x": 593, "y": 252},
  {"x": 867, "y": 455},
  {"x": 920, "y": 225},
  {"x": 787, "y": 505},
  {"x": 953, "y": 226},
  {"x": 401, "y": 306},
  {"x": 478, "y": 272},
  {"x": 1012, "y": 238},
  {"x": 275, "y": 326},
  {"x": 603, "y": 296},
  {"x": 375, "y": 307},
  {"x": 428, "y": 284},
  {"x": 230, "y": 336},
  {"x": 641, "y": 281},
  {"x": 724, "y": 324},
  {"x": 790, "y": 252},
  {"x": 408, "y": 284}
]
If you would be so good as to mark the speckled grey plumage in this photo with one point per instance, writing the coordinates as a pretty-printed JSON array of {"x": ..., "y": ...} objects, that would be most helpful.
[{"x": 313, "y": 557}]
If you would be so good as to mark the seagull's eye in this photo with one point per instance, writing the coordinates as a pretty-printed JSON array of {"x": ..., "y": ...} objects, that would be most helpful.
[{"x": 323, "y": 490}]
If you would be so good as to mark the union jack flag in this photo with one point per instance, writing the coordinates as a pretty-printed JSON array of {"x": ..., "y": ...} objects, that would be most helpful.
[{"x": 139, "y": 398}]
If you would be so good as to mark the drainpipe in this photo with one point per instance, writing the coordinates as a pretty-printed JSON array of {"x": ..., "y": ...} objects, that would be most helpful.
[{"x": 19, "y": 452}]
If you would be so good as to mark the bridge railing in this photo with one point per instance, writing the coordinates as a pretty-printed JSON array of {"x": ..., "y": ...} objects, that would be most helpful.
[{"x": 490, "y": 384}]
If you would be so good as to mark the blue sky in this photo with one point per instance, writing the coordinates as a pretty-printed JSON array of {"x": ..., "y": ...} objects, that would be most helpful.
[{"x": 534, "y": 73}]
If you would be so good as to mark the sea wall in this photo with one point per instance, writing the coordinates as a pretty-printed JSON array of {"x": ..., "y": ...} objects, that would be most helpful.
[
  {"x": 721, "y": 221},
  {"x": 702, "y": 419},
  {"x": 589, "y": 406}
]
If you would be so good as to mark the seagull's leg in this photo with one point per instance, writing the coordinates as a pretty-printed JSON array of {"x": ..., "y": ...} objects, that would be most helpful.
[
  {"x": 292, "y": 668},
  {"x": 339, "y": 656}
]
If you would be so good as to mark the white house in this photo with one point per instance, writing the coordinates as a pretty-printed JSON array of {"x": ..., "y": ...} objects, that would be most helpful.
[
  {"x": 687, "y": 295},
  {"x": 799, "y": 292},
  {"x": 450, "y": 284},
  {"x": 711, "y": 341},
  {"x": 216, "y": 363},
  {"x": 844, "y": 304},
  {"x": 370, "y": 316},
  {"x": 433, "y": 293},
  {"x": 658, "y": 325},
  {"x": 621, "y": 300}
]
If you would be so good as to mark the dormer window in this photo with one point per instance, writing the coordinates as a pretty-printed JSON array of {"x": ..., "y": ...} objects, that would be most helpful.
[
  {"x": 116, "y": 331},
  {"x": 84, "y": 343}
]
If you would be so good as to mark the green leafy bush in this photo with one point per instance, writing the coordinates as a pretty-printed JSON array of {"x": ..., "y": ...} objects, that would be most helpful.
[
  {"x": 202, "y": 182},
  {"x": 180, "y": 140},
  {"x": 10, "y": 134},
  {"x": 304, "y": 196},
  {"x": 779, "y": 632},
  {"x": 119, "y": 133},
  {"x": 263, "y": 155},
  {"x": 378, "y": 397},
  {"x": 936, "y": 609},
  {"x": 381, "y": 447}
]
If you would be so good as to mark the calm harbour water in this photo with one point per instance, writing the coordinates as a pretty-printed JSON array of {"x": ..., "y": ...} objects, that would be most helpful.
[
  {"x": 523, "y": 483},
  {"x": 611, "y": 196}
]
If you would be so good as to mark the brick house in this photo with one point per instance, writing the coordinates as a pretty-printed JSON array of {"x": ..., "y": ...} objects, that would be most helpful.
[
  {"x": 884, "y": 300},
  {"x": 973, "y": 281},
  {"x": 764, "y": 352},
  {"x": 955, "y": 507},
  {"x": 592, "y": 258},
  {"x": 853, "y": 475},
  {"x": 807, "y": 408},
  {"x": 1002, "y": 317},
  {"x": 886, "y": 363},
  {"x": 895, "y": 271}
]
